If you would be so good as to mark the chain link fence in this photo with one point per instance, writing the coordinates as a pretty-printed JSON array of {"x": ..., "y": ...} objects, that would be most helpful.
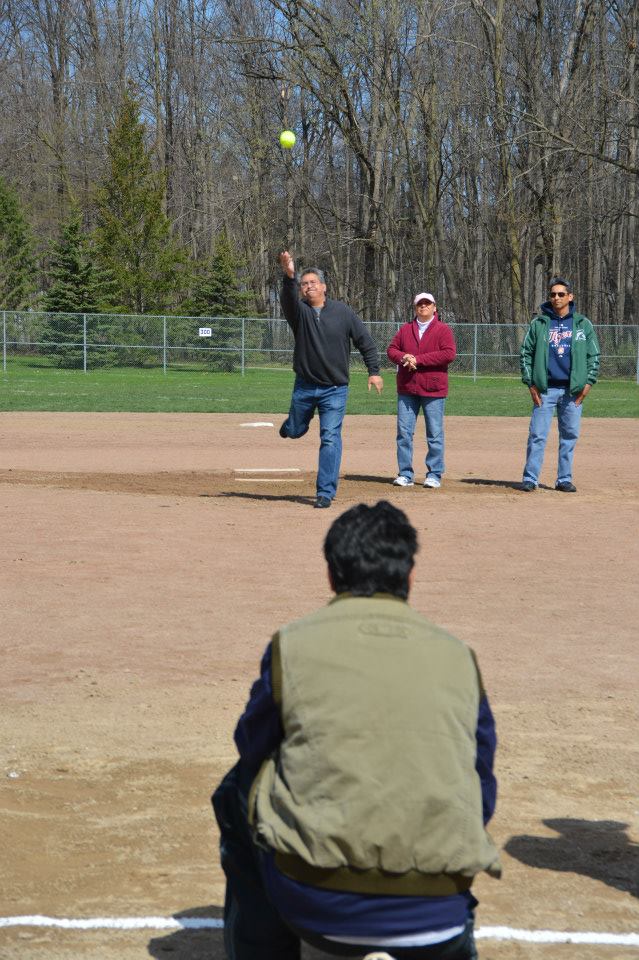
[{"x": 91, "y": 341}]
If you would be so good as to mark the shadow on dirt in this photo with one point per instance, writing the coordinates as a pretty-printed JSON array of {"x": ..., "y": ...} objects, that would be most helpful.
[
  {"x": 449, "y": 483},
  {"x": 191, "y": 943},
  {"x": 289, "y": 498},
  {"x": 367, "y": 478},
  {"x": 599, "y": 849},
  {"x": 204, "y": 944},
  {"x": 508, "y": 484}
]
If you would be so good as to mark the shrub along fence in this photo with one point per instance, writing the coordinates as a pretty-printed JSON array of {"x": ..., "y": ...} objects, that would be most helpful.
[{"x": 90, "y": 341}]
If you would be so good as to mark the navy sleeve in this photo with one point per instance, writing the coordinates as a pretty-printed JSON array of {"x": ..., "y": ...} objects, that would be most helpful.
[
  {"x": 259, "y": 730},
  {"x": 290, "y": 302},
  {"x": 486, "y": 745},
  {"x": 365, "y": 344}
]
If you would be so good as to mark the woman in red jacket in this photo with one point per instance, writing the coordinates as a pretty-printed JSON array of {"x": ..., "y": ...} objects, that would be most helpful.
[{"x": 422, "y": 350}]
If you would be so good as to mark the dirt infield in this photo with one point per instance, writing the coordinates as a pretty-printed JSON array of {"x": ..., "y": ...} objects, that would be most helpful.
[{"x": 143, "y": 571}]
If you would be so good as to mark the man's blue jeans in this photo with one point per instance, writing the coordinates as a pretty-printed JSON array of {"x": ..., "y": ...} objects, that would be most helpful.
[
  {"x": 568, "y": 422},
  {"x": 408, "y": 407},
  {"x": 330, "y": 402}
]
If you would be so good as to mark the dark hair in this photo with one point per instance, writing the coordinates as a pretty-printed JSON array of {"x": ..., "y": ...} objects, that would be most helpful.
[
  {"x": 562, "y": 282},
  {"x": 318, "y": 273},
  {"x": 371, "y": 550}
]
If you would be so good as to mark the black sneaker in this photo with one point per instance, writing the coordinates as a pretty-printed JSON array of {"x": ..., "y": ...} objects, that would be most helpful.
[
  {"x": 566, "y": 487},
  {"x": 528, "y": 486},
  {"x": 322, "y": 503},
  {"x": 283, "y": 433}
]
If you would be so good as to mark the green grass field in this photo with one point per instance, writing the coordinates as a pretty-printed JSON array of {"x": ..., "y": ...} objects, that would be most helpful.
[{"x": 32, "y": 385}]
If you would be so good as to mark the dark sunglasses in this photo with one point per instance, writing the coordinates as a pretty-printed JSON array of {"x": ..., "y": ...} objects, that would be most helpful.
[{"x": 560, "y": 295}]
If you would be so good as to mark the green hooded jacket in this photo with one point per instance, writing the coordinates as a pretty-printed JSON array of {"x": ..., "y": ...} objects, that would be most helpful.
[{"x": 584, "y": 354}]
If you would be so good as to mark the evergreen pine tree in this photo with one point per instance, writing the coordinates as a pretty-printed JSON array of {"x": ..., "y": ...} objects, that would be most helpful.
[
  {"x": 75, "y": 283},
  {"x": 133, "y": 234},
  {"x": 18, "y": 269},
  {"x": 218, "y": 292},
  {"x": 77, "y": 287}
]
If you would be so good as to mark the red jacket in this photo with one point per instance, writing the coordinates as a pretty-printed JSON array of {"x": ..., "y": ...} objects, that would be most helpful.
[{"x": 434, "y": 352}]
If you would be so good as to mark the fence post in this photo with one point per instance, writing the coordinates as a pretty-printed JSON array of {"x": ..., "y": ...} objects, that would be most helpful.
[
  {"x": 164, "y": 345},
  {"x": 4, "y": 341},
  {"x": 475, "y": 354},
  {"x": 242, "y": 362},
  {"x": 84, "y": 341}
]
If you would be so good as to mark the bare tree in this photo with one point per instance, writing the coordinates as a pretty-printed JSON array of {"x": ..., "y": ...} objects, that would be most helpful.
[{"x": 471, "y": 147}]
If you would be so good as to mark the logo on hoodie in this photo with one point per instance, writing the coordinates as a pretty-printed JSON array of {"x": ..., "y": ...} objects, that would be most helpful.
[{"x": 560, "y": 338}]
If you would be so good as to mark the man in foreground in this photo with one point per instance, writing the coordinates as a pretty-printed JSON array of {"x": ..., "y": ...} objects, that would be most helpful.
[
  {"x": 355, "y": 817},
  {"x": 323, "y": 331},
  {"x": 559, "y": 361}
]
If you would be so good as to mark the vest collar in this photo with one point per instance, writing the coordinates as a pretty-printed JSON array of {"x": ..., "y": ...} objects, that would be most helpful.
[{"x": 375, "y": 596}]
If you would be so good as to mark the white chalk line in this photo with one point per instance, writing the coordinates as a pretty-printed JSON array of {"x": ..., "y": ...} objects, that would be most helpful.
[
  {"x": 115, "y": 923},
  {"x": 557, "y": 936},
  {"x": 267, "y": 480},
  {"x": 209, "y": 923},
  {"x": 267, "y": 470},
  {"x": 258, "y": 423}
]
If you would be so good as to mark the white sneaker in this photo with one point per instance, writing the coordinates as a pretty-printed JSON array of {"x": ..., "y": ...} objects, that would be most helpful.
[
  {"x": 402, "y": 482},
  {"x": 432, "y": 482}
]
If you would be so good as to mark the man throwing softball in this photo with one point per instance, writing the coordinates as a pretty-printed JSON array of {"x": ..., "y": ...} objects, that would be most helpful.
[
  {"x": 323, "y": 331},
  {"x": 355, "y": 816}
]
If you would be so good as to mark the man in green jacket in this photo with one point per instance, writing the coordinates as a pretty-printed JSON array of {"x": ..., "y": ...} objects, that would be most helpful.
[{"x": 559, "y": 362}]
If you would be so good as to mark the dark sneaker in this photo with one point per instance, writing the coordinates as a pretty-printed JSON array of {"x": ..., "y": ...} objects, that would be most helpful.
[
  {"x": 566, "y": 487},
  {"x": 528, "y": 486},
  {"x": 283, "y": 432},
  {"x": 322, "y": 502}
]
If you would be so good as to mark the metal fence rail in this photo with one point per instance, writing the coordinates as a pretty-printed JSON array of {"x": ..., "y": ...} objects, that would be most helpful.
[{"x": 91, "y": 341}]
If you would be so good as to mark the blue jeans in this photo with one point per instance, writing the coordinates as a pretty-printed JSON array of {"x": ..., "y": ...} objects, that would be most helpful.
[
  {"x": 568, "y": 422},
  {"x": 408, "y": 407},
  {"x": 330, "y": 402}
]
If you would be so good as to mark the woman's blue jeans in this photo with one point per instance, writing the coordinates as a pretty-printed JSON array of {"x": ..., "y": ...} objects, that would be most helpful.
[
  {"x": 568, "y": 422},
  {"x": 408, "y": 407},
  {"x": 330, "y": 402}
]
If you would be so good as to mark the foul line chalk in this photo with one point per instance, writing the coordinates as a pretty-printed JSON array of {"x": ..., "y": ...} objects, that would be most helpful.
[
  {"x": 557, "y": 936},
  {"x": 258, "y": 423},
  {"x": 116, "y": 923},
  {"x": 208, "y": 923}
]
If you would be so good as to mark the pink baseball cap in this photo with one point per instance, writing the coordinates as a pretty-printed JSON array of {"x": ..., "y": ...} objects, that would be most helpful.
[{"x": 423, "y": 296}]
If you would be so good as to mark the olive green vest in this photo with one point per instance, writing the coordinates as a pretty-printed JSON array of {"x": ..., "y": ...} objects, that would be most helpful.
[{"x": 374, "y": 787}]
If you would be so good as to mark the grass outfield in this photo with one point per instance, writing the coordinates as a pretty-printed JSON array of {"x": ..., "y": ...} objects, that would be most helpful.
[{"x": 31, "y": 386}]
